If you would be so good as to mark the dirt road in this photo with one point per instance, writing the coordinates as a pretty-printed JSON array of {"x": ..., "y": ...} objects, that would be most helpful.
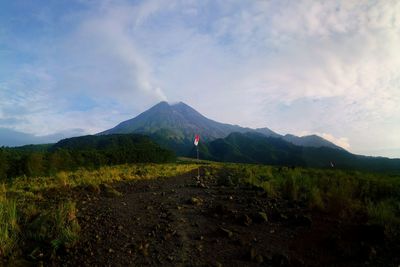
[{"x": 181, "y": 221}]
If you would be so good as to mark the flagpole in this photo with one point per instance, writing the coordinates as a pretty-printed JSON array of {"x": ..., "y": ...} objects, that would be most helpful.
[
  {"x": 196, "y": 143},
  {"x": 198, "y": 162}
]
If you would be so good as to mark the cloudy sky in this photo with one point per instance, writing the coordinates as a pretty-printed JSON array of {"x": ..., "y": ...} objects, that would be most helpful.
[{"x": 300, "y": 66}]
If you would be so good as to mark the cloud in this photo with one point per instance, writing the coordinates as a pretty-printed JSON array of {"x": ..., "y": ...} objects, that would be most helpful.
[{"x": 315, "y": 66}]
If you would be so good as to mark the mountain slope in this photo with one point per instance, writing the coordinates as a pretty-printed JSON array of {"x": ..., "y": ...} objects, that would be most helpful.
[
  {"x": 174, "y": 126},
  {"x": 309, "y": 141},
  {"x": 179, "y": 119},
  {"x": 256, "y": 148}
]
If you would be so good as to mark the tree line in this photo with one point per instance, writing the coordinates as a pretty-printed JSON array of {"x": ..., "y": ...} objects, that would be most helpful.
[{"x": 87, "y": 152}]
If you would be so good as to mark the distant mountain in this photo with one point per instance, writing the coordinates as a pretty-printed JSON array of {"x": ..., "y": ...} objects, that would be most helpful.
[
  {"x": 174, "y": 127},
  {"x": 267, "y": 132},
  {"x": 310, "y": 141},
  {"x": 11, "y": 138}
]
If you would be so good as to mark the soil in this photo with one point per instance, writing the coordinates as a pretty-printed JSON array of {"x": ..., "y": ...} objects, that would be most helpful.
[{"x": 185, "y": 221}]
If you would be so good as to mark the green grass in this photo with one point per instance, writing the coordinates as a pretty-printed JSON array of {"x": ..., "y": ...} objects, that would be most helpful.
[
  {"x": 341, "y": 193},
  {"x": 8, "y": 223},
  {"x": 27, "y": 215}
]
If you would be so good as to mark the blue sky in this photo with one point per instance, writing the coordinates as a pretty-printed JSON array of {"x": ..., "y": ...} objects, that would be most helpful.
[{"x": 325, "y": 67}]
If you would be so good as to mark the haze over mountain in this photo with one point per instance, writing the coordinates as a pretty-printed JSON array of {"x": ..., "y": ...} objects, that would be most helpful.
[
  {"x": 175, "y": 125},
  {"x": 11, "y": 138}
]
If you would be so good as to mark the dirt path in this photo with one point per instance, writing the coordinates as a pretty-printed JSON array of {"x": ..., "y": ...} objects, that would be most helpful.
[{"x": 177, "y": 222}]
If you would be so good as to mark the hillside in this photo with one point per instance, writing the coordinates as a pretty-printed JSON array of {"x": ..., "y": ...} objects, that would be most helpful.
[
  {"x": 257, "y": 148},
  {"x": 77, "y": 152},
  {"x": 174, "y": 126},
  {"x": 179, "y": 119}
]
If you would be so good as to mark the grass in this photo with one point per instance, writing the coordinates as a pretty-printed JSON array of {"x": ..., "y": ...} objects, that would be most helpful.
[
  {"x": 8, "y": 227},
  {"x": 27, "y": 215},
  {"x": 344, "y": 194}
]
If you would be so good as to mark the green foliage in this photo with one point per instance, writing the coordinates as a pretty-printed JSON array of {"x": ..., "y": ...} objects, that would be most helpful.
[
  {"x": 256, "y": 148},
  {"x": 53, "y": 224},
  {"x": 8, "y": 224},
  {"x": 341, "y": 193},
  {"x": 57, "y": 226},
  {"x": 90, "y": 152},
  {"x": 385, "y": 213},
  {"x": 66, "y": 227}
]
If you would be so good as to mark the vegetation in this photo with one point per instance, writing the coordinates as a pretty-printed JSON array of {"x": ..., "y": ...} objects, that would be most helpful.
[
  {"x": 89, "y": 152},
  {"x": 256, "y": 148},
  {"x": 346, "y": 194},
  {"x": 30, "y": 213},
  {"x": 40, "y": 208}
]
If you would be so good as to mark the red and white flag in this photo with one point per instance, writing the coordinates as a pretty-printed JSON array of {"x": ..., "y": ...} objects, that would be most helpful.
[{"x": 196, "y": 140}]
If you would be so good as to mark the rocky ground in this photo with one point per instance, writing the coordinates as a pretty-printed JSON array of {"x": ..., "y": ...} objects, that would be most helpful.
[{"x": 183, "y": 221}]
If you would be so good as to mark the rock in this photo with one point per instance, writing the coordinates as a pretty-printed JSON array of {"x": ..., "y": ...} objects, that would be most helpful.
[
  {"x": 245, "y": 220},
  {"x": 109, "y": 191},
  {"x": 93, "y": 189},
  {"x": 143, "y": 248},
  {"x": 260, "y": 217},
  {"x": 259, "y": 259},
  {"x": 196, "y": 201},
  {"x": 225, "y": 232}
]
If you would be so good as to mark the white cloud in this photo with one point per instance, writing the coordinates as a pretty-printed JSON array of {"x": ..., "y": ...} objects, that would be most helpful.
[{"x": 323, "y": 66}]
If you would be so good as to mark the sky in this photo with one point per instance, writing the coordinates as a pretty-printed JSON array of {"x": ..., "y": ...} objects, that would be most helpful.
[{"x": 330, "y": 68}]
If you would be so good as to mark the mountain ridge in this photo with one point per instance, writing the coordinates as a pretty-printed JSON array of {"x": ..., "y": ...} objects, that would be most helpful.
[{"x": 182, "y": 122}]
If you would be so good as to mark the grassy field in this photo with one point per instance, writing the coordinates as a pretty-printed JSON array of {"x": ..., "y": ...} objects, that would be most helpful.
[
  {"x": 40, "y": 211},
  {"x": 346, "y": 194}
]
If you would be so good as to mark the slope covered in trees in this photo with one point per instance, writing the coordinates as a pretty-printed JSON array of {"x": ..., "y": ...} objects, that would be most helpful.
[
  {"x": 257, "y": 148},
  {"x": 85, "y": 151}
]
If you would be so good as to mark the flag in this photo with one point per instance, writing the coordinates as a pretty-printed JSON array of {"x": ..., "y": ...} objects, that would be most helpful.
[{"x": 196, "y": 140}]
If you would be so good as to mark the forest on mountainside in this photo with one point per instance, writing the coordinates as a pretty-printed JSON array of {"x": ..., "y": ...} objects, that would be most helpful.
[{"x": 80, "y": 152}]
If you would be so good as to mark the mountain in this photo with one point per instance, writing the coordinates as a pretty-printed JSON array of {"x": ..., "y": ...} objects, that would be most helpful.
[
  {"x": 174, "y": 126},
  {"x": 257, "y": 148},
  {"x": 309, "y": 141},
  {"x": 252, "y": 147},
  {"x": 12, "y": 138},
  {"x": 178, "y": 118},
  {"x": 267, "y": 132}
]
